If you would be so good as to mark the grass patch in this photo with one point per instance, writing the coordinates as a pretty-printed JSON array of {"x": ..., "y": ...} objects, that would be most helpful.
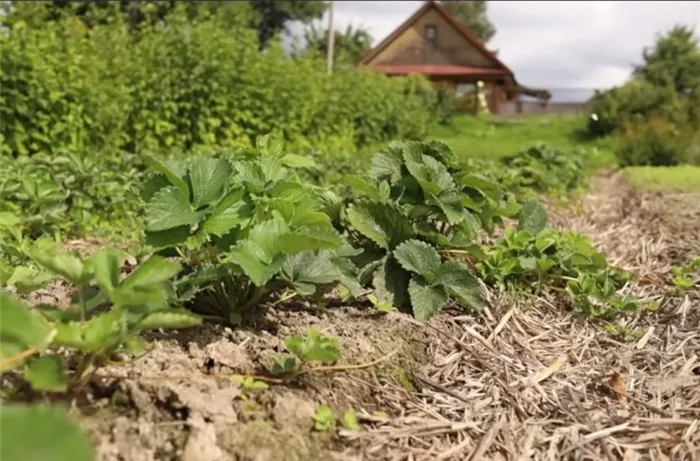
[
  {"x": 490, "y": 137},
  {"x": 684, "y": 178}
]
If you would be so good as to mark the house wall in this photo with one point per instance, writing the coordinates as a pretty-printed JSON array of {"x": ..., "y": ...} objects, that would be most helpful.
[{"x": 450, "y": 47}]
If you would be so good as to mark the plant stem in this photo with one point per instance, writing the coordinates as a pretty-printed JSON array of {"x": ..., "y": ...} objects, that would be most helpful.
[{"x": 15, "y": 358}]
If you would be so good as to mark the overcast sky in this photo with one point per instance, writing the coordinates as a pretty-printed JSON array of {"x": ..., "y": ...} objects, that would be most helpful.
[{"x": 560, "y": 45}]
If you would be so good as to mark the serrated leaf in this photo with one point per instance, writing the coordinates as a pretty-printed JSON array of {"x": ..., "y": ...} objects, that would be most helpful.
[
  {"x": 106, "y": 264},
  {"x": 451, "y": 206},
  {"x": 151, "y": 273},
  {"x": 418, "y": 257},
  {"x": 316, "y": 347},
  {"x": 308, "y": 269},
  {"x": 208, "y": 177},
  {"x": 167, "y": 209},
  {"x": 22, "y": 324},
  {"x": 310, "y": 238},
  {"x": 426, "y": 300},
  {"x": 480, "y": 184},
  {"x": 47, "y": 374},
  {"x": 27, "y": 279},
  {"x": 168, "y": 238},
  {"x": 66, "y": 265},
  {"x": 528, "y": 263},
  {"x": 533, "y": 217},
  {"x": 390, "y": 282},
  {"x": 459, "y": 281},
  {"x": 363, "y": 186},
  {"x": 61, "y": 439},
  {"x": 104, "y": 331},
  {"x": 229, "y": 213},
  {"x": 174, "y": 172},
  {"x": 259, "y": 256},
  {"x": 387, "y": 164},
  {"x": 432, "y": 175},
  {"x": 382, "y": 223}
]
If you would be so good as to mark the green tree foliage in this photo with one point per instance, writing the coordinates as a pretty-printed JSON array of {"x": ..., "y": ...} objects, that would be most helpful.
[
  {"x": 268, "y": 17},
  {"x": 180, "y": 83},
  {"x": 656, "y": 113},
  {"x": 473, "y": 14},
  {"x": 349, "y": 45},
  {"x": 674, "y": 61},
  {"x": 273, "y": 15}
]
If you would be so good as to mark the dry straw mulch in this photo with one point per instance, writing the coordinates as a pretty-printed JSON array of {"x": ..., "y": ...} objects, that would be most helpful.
[{"x": 529, "y": 380}]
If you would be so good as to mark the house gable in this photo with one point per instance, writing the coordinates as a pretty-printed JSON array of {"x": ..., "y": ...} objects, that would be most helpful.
[{"x": 453, "y": 43}]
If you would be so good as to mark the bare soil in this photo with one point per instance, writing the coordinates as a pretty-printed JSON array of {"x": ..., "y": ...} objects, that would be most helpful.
[{"x": 526, "y": 379}]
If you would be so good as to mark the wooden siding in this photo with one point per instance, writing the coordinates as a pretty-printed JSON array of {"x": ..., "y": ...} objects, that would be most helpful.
[{"x": 449, "y": 48}]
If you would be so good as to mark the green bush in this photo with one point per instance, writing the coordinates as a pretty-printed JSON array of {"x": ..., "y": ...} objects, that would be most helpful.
[
  {"x": 184, "y": 84},
  {"x": 634, "y": 100},
  {"x": 656, "y": 141}
]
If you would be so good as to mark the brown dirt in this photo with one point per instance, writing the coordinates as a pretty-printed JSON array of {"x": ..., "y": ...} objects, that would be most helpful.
[
  {"x": 177, "y": 402},
  {"x": 526, "y": 379}
]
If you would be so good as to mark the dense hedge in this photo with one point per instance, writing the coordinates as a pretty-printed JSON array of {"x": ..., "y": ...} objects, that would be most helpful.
[{"x": 187, "y": 84}]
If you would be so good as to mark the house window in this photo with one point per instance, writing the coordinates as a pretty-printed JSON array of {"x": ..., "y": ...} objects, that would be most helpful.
[{"x": 430, "y": 33}]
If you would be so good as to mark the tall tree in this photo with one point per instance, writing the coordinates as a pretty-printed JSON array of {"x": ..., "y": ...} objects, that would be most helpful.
[
  {"x": 349, "y": 45},
  {"x": 273, "y": 15},
  {"x": 473, "y": 14},
  {"x": 673, "y": 60}
]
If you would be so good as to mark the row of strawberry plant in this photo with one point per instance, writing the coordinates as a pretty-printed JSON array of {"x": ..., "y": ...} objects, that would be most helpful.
[
  {"x": 249, "y": 229},
  {"x": 72, "y": 194}
]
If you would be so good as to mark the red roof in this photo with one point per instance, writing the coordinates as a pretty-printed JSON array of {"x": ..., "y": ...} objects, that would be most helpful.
[{"x": 437, "y": 69}]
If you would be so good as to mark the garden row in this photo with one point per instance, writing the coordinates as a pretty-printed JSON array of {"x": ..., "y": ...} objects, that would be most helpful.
[{"x": 248, "y": 228}]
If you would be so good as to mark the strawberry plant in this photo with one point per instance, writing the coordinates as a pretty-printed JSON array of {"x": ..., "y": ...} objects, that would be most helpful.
[
  {"x": 542, "y": 168},
  {"x": 30, "y": 338},
  {"x": 71, "y": 193},
  {"x": 61, "y": 438},
  {"x": 16, "y": 267},
  {"x": 686, "y": 276},
  {"x": 417, "y": 202},
  {"x": 531, "y": 255},
  {"x": 246, "y": 229},
  {"x": 315, "y": 347}
]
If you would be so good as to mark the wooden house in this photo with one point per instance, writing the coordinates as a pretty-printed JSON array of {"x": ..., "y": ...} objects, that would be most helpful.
[{"x": 434, "y": 43}]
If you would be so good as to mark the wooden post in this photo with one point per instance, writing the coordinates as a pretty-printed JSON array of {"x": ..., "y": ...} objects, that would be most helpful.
[{"x": 331, "y": 37}]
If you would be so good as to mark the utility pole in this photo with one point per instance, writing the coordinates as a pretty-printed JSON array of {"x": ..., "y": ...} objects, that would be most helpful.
[{"x": 331, "y": 37}]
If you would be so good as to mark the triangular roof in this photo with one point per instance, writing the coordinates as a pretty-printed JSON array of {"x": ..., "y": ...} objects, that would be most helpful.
[{"x": 452, "y": 20}]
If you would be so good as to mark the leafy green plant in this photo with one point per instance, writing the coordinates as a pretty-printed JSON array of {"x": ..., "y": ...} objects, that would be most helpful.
[
  {"x": 350, "y": 420},
  {"x": 61, "y": 438},
  {"x": 324, "y": 419},
  {"x": 533, "y": 256},
  {"x": 687, "y": 276},
  {"x": 17, "y": 270},
  {"x": 30, "y": 338},
  {"x": 71, "y": 193},
  {"x": 246, "y": 230},
  {"x": 419, "y": 196},
  {"x": 542, "y": 169},
  {"x": 315, "y": 347}
]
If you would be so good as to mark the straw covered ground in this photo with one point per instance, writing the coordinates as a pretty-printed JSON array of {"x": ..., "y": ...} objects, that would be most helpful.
[{"x": 526, "y": 380}]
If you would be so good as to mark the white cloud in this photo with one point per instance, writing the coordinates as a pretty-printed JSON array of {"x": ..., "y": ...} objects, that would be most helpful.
[{"x": 563, "y": 45}]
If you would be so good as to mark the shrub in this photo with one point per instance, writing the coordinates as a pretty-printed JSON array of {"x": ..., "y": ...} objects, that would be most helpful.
[
  {"x": 634, "y": 100},
  {"x": 184, "y": 84},
  {"x": 656, "y": 141}
]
